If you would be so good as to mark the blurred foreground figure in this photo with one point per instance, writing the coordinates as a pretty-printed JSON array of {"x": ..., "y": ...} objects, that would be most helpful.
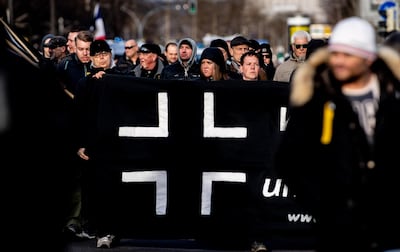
[
  {"x": 393, "y": 40},
  {"x": 28, "y": 144},
  {"x": 337, "y": 153}
]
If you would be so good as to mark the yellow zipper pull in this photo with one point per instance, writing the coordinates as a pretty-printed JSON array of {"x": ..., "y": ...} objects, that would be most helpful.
[{"x": 327, "y": 122}]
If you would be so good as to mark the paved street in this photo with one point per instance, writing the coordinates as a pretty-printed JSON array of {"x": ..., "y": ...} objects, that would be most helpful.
[{"x": 154, "y": 246}]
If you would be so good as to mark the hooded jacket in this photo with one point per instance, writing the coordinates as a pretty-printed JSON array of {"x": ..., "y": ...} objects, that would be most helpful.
[
  {"x": 349, "y": 186},
  {"x": 180, "y": 70}
]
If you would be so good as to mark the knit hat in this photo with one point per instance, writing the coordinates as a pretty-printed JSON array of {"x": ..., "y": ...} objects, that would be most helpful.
[
  {"x": 355, "y": 36},
  {"x": 98, "y": 46},
  {"x": 220, "y": 43},
  {"x": 215, "y": 55},
  {"x": 254, "y": 44},
  {"x": 186, "y": 42},
  {"x": 266, "y": 50},
  {"x": 192, "y": 44}
]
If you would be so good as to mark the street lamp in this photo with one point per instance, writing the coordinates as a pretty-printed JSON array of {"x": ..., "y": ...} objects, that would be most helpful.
[
  {"x": 141, "y": 24},
  {"x": 135, "y": 18}
]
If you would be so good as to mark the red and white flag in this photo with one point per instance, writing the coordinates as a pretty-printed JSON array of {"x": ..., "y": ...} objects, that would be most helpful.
[{"x": 99, "y": 31}]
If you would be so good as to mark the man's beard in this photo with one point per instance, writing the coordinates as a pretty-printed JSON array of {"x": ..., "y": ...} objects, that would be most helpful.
[{"x": 301, "y": 58}]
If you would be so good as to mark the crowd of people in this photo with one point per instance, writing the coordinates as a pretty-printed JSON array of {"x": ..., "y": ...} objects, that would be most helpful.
[
  {"x": 341, "y": 135},
  {"x": 76, "y": 58}
]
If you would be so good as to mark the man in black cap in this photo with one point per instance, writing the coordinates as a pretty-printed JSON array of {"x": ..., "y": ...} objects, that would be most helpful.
[
  {"x": 57, "y": 48},
  {"x": 150, "y": 63},
  {"x": 268, "y": 66},
  {"x": 99, "y": 46},
  {"x": 57, "y": 41},
  {"x": 100, "y": 53},
  {"x": 101, "y": 62},
  {"x": 150, "y": 48},
  {"x": 239, "y": 45},
  {"x": 56, "y": 51},
  {"x": 100, "y": 217}
]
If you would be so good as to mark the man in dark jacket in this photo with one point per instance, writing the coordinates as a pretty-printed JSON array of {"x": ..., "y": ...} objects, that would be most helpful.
[
  {"x": 70, "y": 70},
  {"x": 151, "y": 64},
  {"x": 337, "y": 153},
  {"x": 186, "y": 68}
]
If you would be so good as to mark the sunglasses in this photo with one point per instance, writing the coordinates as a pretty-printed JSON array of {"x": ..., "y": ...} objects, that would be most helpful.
[
  {"x": 129, "y": 47},
  {"x": 303, "y": 46}
]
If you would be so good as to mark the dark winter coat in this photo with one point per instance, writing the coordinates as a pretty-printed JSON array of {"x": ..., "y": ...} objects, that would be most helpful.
[
  {"x": 180, "y": 70},
  {"x": 351, "y": 188}
]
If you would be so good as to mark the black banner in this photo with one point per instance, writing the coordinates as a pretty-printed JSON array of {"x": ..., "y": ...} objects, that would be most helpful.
[{"x": 194, "y": 160}]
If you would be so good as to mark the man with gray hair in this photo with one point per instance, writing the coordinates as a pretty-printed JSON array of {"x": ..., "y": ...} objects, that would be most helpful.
[{"x": 299, "y": 43}]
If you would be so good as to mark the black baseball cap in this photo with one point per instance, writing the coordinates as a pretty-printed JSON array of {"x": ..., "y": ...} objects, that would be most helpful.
[
  {"x": 150, "y": 48},
  {"x": 240, "y": 40}
]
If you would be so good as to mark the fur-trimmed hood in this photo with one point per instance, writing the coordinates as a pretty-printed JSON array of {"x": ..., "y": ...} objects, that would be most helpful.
[{"x": 303, "y": 79}]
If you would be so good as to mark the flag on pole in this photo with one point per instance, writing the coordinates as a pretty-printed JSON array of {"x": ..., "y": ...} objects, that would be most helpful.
[
  {"x": 17, "y": 45},
  {"x": 99, "y": 31}
]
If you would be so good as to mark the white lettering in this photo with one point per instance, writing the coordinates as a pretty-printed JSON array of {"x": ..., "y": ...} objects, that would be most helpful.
[
  {"x": 275, "y": 191},
  {"x": 301, "y": 218}
]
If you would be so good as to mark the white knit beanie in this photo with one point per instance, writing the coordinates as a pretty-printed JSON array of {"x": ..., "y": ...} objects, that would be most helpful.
[{"x": 355, "y": 36}]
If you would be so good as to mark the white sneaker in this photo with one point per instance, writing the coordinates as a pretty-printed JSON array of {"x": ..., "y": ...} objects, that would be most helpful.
[
  {"x": 86, "y": 235},
  {"x": 258, "y": 247},
  {"x": 105, "y": 242}
]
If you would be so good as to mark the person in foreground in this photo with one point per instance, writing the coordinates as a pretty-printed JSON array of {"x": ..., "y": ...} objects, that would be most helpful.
[
  {"x": 339, "y": 152},
  {"x": 101, "y": 217}
]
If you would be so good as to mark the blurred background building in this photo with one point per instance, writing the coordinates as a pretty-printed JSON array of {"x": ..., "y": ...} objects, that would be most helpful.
[{"x": 160, "y": 21}]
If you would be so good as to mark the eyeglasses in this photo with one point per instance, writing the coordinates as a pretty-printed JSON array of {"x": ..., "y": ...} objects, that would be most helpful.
[
  {"x": 129, "y": 47},
  {"x": 304, "y": 46}
]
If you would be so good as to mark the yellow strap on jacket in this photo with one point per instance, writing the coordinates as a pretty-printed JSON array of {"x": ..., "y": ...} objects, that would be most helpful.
[{"x": 327, "y": 122}]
